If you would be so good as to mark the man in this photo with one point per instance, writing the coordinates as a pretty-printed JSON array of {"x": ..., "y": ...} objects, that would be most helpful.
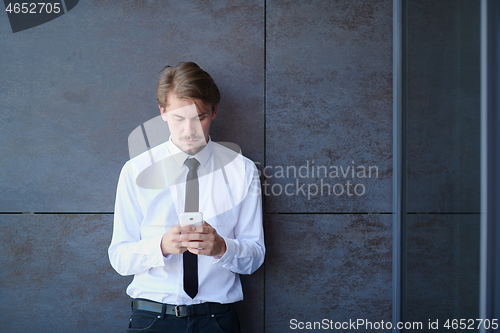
[{"x": 186, "y": 278}]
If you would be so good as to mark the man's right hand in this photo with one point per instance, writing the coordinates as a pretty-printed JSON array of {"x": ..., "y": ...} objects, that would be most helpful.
[{"x": 171, "y": 242}]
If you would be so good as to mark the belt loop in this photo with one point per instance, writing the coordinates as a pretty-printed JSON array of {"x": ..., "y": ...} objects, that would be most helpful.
[
  {"x": 163, "y": 310},
  {"x": 207, "y": 307}
]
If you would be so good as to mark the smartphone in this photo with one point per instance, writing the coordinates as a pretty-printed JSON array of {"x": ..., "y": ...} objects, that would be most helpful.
[{"x": 191, "y": 218}]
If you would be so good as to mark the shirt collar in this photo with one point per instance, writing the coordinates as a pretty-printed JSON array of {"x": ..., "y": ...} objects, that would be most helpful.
[{"x": 180, "y": 156}]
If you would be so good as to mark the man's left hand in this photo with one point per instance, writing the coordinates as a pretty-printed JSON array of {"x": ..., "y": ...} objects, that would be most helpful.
[{"x": 205, "y": 241}]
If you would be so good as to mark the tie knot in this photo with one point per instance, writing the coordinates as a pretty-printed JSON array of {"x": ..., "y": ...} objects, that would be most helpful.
[{"x": 192, "y": 164}]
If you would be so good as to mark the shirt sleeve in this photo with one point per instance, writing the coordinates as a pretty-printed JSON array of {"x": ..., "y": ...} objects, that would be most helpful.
[
  {"x": 245, "y": 253},
  {"x": 128, "y": 253}
]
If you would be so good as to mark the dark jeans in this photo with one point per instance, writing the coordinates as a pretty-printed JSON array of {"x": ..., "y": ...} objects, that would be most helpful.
[{"x": 145, "y": 321}]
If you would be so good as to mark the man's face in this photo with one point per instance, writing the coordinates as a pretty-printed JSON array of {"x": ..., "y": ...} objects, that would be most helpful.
[{"x": 189, "y": 123}]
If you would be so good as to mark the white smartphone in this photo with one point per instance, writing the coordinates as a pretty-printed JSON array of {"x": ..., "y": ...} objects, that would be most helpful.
[{"x": 191, "y": 218}]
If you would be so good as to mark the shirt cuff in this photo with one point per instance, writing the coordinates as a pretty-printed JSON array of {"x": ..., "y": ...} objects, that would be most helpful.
[
  {"x": 230, "y": 251},
  {"x": 156, "y": 255}
]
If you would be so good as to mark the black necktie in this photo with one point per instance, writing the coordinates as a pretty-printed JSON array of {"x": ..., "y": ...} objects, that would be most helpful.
[{"x": 190, "y": 260}]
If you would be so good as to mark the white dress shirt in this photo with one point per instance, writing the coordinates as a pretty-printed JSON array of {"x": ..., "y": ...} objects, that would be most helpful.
[{"x": 149, "y": 198}]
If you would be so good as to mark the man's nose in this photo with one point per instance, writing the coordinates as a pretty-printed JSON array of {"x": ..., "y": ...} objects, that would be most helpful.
[{"x": 192, "y": 126}]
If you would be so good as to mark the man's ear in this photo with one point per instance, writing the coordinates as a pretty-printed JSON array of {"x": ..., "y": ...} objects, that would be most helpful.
[
  {"x": 163, "y": 113},
  {"x": 214, "y": 110}
]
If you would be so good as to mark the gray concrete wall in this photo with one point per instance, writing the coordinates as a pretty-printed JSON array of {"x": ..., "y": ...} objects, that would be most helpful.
[
  {"x": 328, "y": 104},
  {"x": 301, "y": 82}
]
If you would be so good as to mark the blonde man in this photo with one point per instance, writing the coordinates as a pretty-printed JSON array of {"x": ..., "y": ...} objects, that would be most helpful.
[{"x": 186, "y": 279}]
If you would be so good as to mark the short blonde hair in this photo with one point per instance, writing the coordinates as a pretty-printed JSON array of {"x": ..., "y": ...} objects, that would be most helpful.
[{"x": 188, "y": 81}]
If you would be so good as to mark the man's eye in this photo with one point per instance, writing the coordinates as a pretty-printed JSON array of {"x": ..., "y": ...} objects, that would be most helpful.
[{"x": 202, "y": 116}]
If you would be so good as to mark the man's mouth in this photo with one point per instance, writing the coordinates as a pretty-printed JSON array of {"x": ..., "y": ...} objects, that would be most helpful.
[{"x": 191, "y": 140}]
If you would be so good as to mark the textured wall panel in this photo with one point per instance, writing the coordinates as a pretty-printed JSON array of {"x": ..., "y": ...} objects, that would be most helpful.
[
  {"x": 55, "y": 275},
  {"x": 442, "y": 266},
  {"x": 251, "y": 309},
  {"x": 72, "y": 90},
  {"x": 329, "y": 104},
  {"x": 443, "y": 106},
  {"x": 57, "y": 267},
  {"x": 335, "y": 267}
]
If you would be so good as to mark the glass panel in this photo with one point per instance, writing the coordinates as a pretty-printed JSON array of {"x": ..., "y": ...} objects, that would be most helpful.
[{"x": 443, "y": 160}]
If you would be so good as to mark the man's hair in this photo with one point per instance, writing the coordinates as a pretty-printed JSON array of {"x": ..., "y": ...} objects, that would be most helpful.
[{"x": 188, "y": 81}]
